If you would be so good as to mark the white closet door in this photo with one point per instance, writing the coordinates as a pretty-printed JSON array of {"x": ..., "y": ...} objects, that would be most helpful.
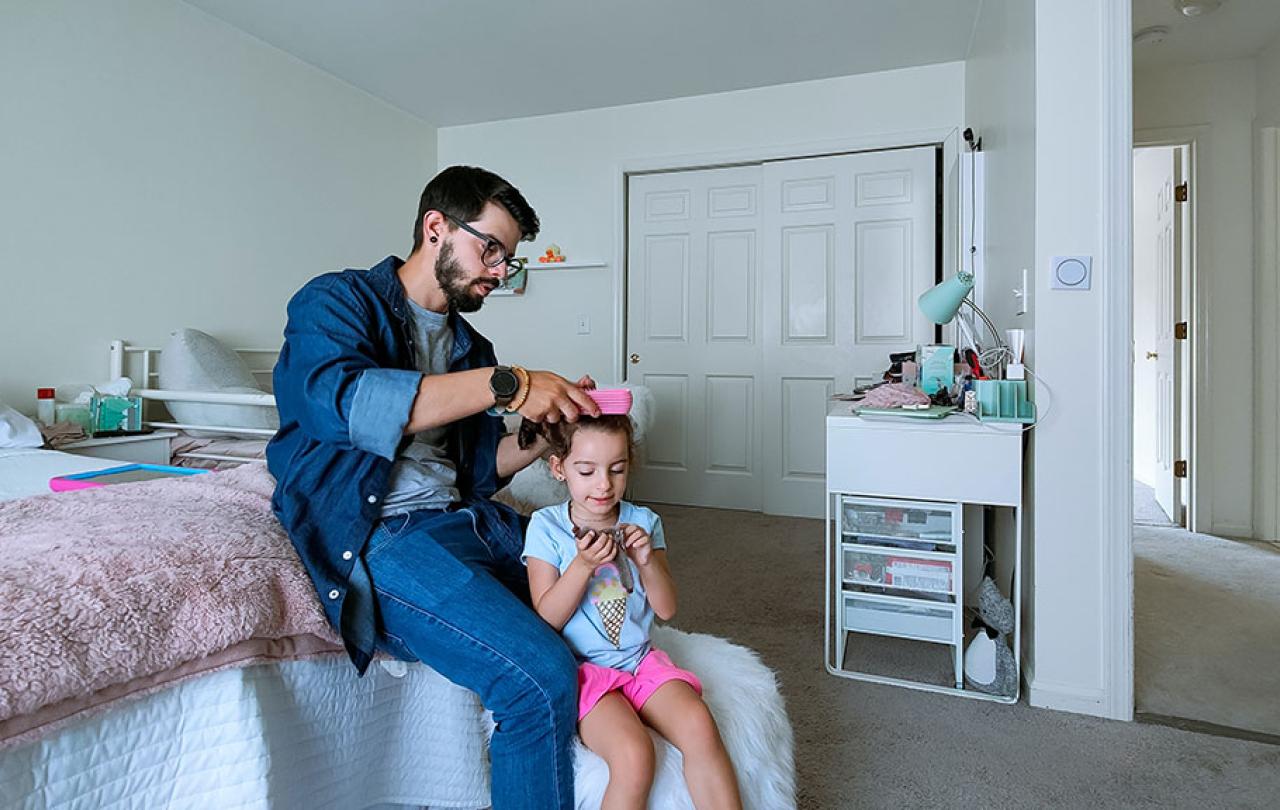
[
  {"x": 693, "y": 333},
  {"x": 848, "y": 244}
]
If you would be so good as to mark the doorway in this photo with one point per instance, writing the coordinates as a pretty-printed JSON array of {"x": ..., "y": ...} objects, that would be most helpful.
[{"x": 1204, "y": 606}]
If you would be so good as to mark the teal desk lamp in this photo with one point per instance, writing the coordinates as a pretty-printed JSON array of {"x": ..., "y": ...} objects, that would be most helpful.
[{"x": 941, "y": 303}]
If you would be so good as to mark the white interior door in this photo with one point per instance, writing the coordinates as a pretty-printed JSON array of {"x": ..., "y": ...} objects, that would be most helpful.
[
  {"x": 1149, "y": 178},
  {"x": 693, "y": 333},
  {"x": 849, "y": 243},
  {"x": 1168, "y": 256}
]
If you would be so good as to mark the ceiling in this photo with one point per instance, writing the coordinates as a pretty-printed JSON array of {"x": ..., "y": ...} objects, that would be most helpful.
[
  {"x": 1240, "y": 28},
  {"x": 455, "y": 62}
]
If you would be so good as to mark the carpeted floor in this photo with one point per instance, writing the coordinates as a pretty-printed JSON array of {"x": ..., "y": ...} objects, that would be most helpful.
[
  {"x": 1146, "y": 509},
  {"x": 758, "y": 580},
  {"x": 1206, "y": 613}
]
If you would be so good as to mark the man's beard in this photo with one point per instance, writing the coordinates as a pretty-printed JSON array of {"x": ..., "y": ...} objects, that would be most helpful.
[{"x": 458, "y": 291}]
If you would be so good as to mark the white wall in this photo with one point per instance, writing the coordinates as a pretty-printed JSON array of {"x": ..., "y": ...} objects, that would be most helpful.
[
  {"x": 1267, "y": 64},
  {"x": 1074, "y": 543},
  {"x": 161, "y": 169},
  {"x": 1266, "y": 497},
  {"x": 569, "y": 168},
  {"x": 1000, "y": 108},
  {"x": 1221, "y": 97}
]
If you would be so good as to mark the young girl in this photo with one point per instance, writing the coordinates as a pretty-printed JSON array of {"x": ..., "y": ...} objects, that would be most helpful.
[{"x": 598, "y": 573}]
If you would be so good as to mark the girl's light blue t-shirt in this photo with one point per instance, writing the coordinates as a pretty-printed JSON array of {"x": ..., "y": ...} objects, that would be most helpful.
[{"x": 611, "y": 627}]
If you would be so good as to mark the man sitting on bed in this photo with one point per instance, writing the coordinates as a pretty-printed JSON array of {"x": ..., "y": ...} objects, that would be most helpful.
[{"x": 391, "y": 443}]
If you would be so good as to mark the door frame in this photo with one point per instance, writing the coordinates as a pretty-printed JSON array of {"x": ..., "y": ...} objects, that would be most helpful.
[
  {"x": 947, "y": 138},
  {"x": 1267, "y": 486},
  {"x": 1195, "y": 139},
  {"x": 1115, "y": 248}
]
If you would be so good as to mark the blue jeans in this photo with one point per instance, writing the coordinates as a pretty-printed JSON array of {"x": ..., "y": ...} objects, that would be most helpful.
[{"x": 458, "y": 602}]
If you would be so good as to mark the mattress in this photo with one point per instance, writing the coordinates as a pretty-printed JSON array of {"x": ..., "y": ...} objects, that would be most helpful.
[
  {"x": 26, "y": 471},
  {"x": 296, "y": 734}
]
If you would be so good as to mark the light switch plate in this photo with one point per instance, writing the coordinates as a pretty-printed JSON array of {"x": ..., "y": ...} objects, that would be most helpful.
[
  {"x": 1022, "y": 294},
  {"x": 1070, "y": 272},
  {"x": 584, "y": 325}
]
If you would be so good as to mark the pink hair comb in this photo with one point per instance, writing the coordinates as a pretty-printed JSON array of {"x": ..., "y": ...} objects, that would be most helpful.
[{"x": 612, "y": 401}]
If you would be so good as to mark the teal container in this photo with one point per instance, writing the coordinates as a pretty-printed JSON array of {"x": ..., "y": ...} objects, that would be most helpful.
[
  {"x": 1004, "y": 401},
  {"x": 114, "y": 414}
]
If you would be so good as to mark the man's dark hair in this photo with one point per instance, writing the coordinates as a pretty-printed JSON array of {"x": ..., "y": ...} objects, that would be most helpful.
[{"x": 462, "y": 191}]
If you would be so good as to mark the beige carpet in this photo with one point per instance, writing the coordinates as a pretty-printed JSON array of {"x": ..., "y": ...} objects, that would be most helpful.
[
  {"x": 1207, "y": 628},
  {"x": 759, "y": 581}
]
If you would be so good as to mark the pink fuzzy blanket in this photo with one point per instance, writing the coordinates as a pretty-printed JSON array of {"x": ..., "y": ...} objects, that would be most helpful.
[{"x": 117, "y": 591}]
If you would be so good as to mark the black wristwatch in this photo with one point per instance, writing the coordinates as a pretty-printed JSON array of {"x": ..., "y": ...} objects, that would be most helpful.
[{"x": 504, "y": 384}]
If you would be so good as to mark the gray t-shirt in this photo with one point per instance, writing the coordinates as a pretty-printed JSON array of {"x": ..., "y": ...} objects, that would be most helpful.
[{"x": 423, "y": 476}]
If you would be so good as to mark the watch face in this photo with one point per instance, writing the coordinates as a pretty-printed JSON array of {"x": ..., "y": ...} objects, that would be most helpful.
[{"x": 504, "y": 383}]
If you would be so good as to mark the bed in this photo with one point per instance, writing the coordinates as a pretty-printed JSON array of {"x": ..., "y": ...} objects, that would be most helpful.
[
  {"x": 272, "y": 728},
  {"x": 276, "y": 726}
]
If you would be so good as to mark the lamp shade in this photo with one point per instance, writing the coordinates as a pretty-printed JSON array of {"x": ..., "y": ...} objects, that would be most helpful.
[{"x": 941, "y": 303}]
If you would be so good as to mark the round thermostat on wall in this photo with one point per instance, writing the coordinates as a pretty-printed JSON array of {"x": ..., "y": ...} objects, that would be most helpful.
[{"x": 1071, "y": 272}]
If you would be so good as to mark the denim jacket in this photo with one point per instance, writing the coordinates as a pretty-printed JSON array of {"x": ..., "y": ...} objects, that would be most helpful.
[{"x": 344, "y": 384}]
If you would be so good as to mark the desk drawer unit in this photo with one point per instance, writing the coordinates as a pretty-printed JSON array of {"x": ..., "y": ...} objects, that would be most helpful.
[
  {"x": 898, "y": 571},
  {"x": 917, "y": 512}
]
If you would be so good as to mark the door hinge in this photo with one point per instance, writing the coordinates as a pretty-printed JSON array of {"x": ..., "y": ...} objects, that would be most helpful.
[
  {"x": 1180, "y": 469},
  {"x": 1180, "y": 330},
  {"x": 1181, "y": 193}
]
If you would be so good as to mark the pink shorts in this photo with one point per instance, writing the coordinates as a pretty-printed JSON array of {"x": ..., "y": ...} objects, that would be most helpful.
[{"x": 594, "y": 681}]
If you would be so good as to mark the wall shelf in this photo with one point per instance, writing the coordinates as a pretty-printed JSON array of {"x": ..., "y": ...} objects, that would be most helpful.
[{"x": 566, "y": 265}]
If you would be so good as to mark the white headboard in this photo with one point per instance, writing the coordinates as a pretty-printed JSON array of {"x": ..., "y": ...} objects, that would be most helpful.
[{"x": 140, "y": 364}]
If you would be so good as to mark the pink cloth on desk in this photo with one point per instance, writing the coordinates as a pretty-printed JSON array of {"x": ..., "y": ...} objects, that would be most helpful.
[
  {"x": 894, "y": 395},
  {"x": 120, "y": 590}
]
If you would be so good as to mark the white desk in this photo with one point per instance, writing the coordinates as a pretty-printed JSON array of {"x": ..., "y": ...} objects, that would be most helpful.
[{"x": 904, "y": 500}]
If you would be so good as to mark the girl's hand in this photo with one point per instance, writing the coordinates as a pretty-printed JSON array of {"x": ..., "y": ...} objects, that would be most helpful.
[
  {"x": 638, "y": 543},
  {"x": 586, "y": 383},
  {"x": 595, "y": 549}
]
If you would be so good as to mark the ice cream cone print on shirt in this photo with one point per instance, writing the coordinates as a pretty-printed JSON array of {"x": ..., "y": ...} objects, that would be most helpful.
[{"x": 610, "y": 599}]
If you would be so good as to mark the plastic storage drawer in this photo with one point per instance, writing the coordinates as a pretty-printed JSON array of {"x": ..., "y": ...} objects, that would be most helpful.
[
  {"x": 922, "y": 622},
  {"x": 899, "y": 570},
  {"x": 902, "y": 524}
]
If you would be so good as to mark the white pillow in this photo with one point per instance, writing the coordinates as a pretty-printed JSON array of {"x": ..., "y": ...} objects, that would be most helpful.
[
  {"x": 195, "y": 361},
  {"x": 17, "y": 430}
]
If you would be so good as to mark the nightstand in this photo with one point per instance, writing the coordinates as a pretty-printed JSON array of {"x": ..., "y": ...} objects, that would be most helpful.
[{"x": 145, "y": 448}]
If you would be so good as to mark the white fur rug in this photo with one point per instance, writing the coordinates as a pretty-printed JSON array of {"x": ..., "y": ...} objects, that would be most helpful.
[{"x": 743, "y": 696}]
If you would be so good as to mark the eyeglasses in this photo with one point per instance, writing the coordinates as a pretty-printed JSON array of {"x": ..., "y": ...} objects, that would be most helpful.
[{"x": 494, "y": 253}]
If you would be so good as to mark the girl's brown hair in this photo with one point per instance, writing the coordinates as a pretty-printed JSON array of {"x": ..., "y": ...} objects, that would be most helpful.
[{"x": 560, "y": 434}]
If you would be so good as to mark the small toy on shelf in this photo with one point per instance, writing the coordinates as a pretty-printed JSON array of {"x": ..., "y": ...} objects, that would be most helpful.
[{"x": 551, "y": 255}]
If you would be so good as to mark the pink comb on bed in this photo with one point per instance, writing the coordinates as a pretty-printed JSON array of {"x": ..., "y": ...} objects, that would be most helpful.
[{"x": 612, "y": 401}]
